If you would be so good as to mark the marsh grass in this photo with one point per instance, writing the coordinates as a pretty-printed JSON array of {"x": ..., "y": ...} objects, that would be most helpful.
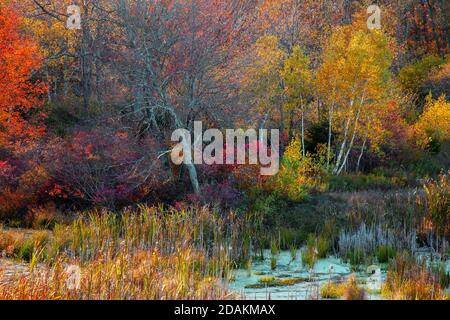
[
  {"x": 332, "y": 290},
  {"x": 408, "y": 279},
  {"x": 149, "y": 253},
  {"x": 317, "y": 247},
  {"x": 352, "y": 291},
  {"x": 360, "y": 246},
  {"x": 438, "y": 203}
]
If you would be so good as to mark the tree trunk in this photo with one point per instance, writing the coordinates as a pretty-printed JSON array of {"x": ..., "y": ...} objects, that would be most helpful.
[
  {"x": 330, "y": 133},
  {"x": 303, "y": 134},
  {"x": 86, "y": 69},
  {"x": 282, "y": 140},
  {"x": 194, "y": 178},
  {"x": 432, "y": 17},
  {"x": 192, "y": 170},
  {"x": 361, "y": 153},
  {"x": 344, "y": 141},
  {"x": 353, "y": 136}
]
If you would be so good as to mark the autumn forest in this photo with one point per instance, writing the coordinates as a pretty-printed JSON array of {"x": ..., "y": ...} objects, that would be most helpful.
[{"x": 346, "y": 101}]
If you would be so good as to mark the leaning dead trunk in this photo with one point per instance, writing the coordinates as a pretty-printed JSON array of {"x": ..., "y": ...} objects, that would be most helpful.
[{"x": 193, "y": 177}]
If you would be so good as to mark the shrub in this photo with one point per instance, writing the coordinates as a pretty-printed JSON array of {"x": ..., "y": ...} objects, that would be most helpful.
[
  {"x": 43, "y": 217},
  {"x": 8, "y": 242},
  {"x": 413, "y": 76},
  {"x": 433, "y": 126},
  {"x": 103, "y": 167},
  {"x": 223, "y": 194},
  {"x": 298, "y": 175},
  {"x": 21, "y": 181}
]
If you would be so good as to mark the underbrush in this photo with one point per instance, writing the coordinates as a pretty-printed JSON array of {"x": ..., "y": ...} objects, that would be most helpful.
[{"x": 365, "y": 182}]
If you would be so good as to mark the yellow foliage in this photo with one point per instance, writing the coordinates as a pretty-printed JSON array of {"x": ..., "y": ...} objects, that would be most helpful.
[
  {"x": 262, "y": 78},
  {"x": 297, "y": 78},
  {"x": 332, "y": 290},
  {"x": 434, "y": 123},
  {"x": 298, "y": 175}
]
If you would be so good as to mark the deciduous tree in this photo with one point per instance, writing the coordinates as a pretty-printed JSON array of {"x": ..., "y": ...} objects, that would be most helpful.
[{"x": 20, "y": 95}]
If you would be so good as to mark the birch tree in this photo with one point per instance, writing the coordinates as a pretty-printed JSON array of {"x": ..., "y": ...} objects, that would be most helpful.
[{"x": 353, "y": 78}]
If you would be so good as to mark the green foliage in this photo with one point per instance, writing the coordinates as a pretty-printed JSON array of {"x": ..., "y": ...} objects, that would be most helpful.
[
  {"x": 364, "y": 182},
  {"x": 27, "y": 249},
  {"x": 60, "y": 118},
  {"x": 323, "y": 247},
  {"x": 385, "y": 253},
  {"x": 433, "y": 127},
  {"x": 414, "y": 75},
  {"x": 356, "y": 258},
  {"x": 297, "y": 79},
  {"x": 265, "y": 204},
  {"x": 316, "y": 136},
  {"x": 269, "y": 281},
  {"x": 316, "y": 248},
  {"x": 298, "y": 176},
  {"x": 309, "y": 257},
  {"x": 274, "y": 250},
  {"x": 441, "y": 272}
]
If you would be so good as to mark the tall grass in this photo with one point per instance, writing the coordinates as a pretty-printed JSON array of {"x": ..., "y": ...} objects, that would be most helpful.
[
  {"x": 438, "y": 204},
  {"x": 150, "y": 253},
  {"x": 408, "y": 279},
  {"x": 375, "y": 240}
]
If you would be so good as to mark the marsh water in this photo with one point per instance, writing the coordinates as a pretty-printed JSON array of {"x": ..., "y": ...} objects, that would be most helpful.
[
  {"x": 291, "y": 280},
  {"x": 257, "y": 282}
]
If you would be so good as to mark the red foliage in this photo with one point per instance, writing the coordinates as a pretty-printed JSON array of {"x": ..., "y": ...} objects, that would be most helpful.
[{"x": 102, "y": 167}]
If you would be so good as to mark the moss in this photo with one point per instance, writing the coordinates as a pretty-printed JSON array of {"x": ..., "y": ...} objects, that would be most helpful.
[{"x": 267, "y": 279}]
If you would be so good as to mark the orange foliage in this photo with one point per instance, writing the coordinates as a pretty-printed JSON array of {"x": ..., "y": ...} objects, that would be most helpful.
[{"x": 19, "y": 95}]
